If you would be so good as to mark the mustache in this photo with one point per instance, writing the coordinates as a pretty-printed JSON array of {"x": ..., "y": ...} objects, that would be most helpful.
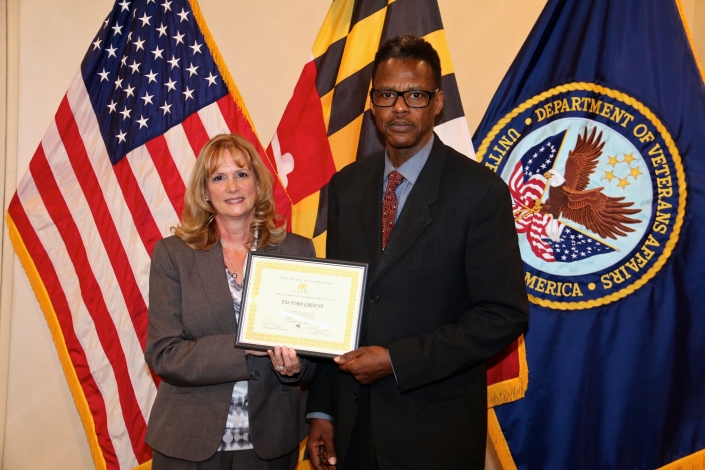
[{"x": 400, "y": 121}]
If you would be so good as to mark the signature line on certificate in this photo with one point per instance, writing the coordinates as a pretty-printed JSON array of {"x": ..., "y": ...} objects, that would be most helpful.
[{"x": 301, "y": 319}]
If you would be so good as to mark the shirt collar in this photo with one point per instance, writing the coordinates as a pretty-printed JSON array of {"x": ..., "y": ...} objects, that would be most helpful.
[{"x": 411, "y": 168}]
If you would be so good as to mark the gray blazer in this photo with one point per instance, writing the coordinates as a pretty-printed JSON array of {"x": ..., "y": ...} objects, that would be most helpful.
[{"x": 191, "y": 347}]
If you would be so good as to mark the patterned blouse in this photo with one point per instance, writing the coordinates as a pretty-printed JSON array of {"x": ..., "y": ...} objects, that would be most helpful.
[{"x": 237, "y": 428}]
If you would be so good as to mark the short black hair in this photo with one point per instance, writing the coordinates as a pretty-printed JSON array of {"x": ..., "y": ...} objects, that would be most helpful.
[{"x": 409, "y": 47}]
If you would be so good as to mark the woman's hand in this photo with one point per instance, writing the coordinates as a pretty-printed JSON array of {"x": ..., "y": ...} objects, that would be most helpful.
[{"x": 285, "y": 361}]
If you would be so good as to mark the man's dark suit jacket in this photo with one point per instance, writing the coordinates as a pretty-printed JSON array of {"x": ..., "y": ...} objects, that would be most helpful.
[
  {"x": 446, "y": 294},
  {"x": 191, "y": 346}
]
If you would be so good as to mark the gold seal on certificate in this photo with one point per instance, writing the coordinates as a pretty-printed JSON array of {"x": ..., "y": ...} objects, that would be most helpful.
[{"x": 310, "y": 304}]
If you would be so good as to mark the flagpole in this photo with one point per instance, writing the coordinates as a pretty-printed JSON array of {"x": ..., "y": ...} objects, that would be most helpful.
[{"x": 10, "y": 144}]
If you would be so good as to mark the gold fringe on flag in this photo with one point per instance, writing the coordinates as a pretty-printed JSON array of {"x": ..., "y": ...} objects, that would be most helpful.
[
  {"x": 690, "y": 38},
  {"x": 47, "y": 307},
  {"x": 303, "y": 464},
  {"x": 220, "y": 62},
  {"x": 694, "y": 461},
  {"x": 229, "y": 82},
  {"x": 514, "y": 388},
  {"x": 499, "y": 442},
  {"x": 145, "y": 466}
]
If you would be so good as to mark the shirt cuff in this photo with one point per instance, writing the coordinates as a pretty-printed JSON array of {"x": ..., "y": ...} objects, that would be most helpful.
[
  {"x": 318, "y": 415},
  {"x": 390, "y": 361}
]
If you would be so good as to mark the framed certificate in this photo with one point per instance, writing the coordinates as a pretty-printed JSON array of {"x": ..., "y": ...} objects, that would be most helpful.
[{"x": 312, "y": 305}]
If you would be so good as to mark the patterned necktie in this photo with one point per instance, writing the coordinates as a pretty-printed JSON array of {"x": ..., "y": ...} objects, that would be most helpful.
[{"x": 389, "y": 205}]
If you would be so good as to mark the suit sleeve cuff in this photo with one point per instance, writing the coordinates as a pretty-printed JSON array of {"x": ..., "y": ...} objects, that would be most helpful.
[{"x": 393, "y": 372}]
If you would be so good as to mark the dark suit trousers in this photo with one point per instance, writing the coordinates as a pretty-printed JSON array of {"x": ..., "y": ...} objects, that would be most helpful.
[{"x": 362, "y": 454}]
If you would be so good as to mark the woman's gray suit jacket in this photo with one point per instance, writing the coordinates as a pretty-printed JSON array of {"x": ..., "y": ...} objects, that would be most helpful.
[{"x": 191, "y": 347}]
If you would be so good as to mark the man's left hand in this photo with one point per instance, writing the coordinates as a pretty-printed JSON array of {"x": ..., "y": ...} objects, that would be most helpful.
[{"x": 368, "y": 364}]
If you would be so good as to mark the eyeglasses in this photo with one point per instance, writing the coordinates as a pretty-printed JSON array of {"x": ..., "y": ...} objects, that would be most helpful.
[{"x": 412, "y": 98}]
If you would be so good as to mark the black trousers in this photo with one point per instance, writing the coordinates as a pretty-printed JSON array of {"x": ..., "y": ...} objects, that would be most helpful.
[{"x": 362, "y": 454}]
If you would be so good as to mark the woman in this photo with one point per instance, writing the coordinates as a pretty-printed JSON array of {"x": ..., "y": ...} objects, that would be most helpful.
[{"x": 219, "y": 406}]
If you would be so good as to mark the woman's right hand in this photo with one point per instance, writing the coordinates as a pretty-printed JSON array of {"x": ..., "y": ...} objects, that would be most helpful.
[{"x": 285, "y": 361}]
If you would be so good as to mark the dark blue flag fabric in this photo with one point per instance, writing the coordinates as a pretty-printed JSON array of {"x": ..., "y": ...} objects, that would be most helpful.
[{"x": 612, "y": 234}]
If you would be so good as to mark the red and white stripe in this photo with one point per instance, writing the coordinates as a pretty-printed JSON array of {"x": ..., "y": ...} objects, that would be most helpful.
[
  {"x": 533, "y": 224},
  {"x": 90, "y": 228}
]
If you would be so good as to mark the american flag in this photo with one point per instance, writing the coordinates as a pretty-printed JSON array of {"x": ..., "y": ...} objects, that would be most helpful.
[
  {"x": 105, "y": 184},
  {"x": 527, "y": 185},
  {"x": 574, "y": 245}
]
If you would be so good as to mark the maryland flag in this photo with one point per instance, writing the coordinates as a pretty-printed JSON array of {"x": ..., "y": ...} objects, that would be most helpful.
[{"x": 328, "y": 124}]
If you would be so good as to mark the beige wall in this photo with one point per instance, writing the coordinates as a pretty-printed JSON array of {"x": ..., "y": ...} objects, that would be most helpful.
[{"x": 265, "y": 44}]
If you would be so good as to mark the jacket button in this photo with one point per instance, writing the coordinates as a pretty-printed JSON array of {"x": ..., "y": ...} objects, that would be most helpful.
[
  {"x": 356, "y": 396},
  {"x": 254, "y": 375},
  {"x": 374, "y": 299}
]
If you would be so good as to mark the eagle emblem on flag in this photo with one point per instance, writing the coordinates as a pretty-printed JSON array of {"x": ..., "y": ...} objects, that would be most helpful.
[
  {"x": 569, "y": 198},
  {"x": 595, "y": 191}
]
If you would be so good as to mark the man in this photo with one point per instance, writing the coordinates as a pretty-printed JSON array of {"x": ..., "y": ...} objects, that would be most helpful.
[{"x": 444, "y": 292}]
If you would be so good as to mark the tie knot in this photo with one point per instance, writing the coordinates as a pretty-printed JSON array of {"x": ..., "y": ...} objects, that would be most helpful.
[{"x": 393, "y": 180}]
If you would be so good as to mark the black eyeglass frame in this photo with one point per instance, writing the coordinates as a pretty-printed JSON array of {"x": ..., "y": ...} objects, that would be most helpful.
[{"x": 431, "y": 94}]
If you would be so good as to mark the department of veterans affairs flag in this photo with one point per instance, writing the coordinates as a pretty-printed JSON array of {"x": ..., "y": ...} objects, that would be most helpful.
[
  {"x": 105, "y": 184},
  {"x": 328, "y": 125},
  {"x": 612, "y": 233}
]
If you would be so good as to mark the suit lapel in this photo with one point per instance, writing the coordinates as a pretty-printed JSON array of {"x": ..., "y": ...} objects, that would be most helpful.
[
  {"x": 415, "y": 215},
  {"x": 370, "y": 222},
  {"x": 211, "y": 268}
]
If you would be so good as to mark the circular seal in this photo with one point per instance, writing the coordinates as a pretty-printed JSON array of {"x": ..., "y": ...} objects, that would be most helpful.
[{"x": 598, "y": 192}]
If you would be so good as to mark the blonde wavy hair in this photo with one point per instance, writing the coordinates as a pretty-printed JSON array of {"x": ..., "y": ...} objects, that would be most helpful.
[{"x": 198, "y": 228}]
